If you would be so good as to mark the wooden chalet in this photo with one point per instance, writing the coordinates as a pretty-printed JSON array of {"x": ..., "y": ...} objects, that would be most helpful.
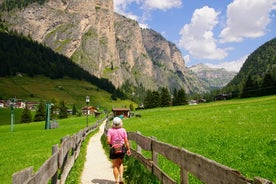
[
  {"x": 90, "y": 110},
  {"x": 121, "y": 111}
]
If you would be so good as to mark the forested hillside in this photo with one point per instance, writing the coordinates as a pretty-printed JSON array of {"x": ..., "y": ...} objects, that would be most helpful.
[
  {"x": 104, "y": 43},
  {"x": 21, "y": 55},
  {"x": 11, "y": 4},
  {"x": 257, "y": 76}
]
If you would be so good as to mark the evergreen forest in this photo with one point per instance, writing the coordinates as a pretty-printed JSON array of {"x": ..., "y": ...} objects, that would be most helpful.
[
  {"x": 19, "y": 54},
  {"x": 8, "y": 5},
  {"x": 257, "y": 76}
]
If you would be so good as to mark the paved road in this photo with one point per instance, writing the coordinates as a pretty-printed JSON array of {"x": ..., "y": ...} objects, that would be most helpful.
[{"x": 97, "y": 168}]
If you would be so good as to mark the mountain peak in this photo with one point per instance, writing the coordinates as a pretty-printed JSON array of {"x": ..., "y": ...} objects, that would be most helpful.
[
  {"x": 105, "y": 44},
  {"x": 215, "y": 77}
]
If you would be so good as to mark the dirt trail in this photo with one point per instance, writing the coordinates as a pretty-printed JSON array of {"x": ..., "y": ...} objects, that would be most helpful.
[{"x": 97, "y": 168}]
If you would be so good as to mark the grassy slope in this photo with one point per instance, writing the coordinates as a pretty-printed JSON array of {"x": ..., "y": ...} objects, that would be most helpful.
[
  {"x": 42, "y": 88},
  {"x": 238, "y": 133}
]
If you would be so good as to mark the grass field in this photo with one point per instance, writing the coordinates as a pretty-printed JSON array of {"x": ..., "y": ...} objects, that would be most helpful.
[
  {"x": 31, "y": 145},
  {"x": 240, "y": 134},
  {"x": 5, "y": 116}
]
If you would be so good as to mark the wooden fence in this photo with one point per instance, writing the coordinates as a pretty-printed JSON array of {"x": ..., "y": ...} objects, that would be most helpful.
[
  {"x": 60, "y": 163},
  {"x": 208, "y": 171}
]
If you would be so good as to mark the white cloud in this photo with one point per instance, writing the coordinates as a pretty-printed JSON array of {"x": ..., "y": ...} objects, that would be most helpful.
[
  {"x": 186, "y": 59},
  {"x": 144, "y": 26},
  {"x": 198, "y": 38},
  {"x": 121, "y": 6},
  {"x": 161, "y": 4},
  {"x": 247, "y": 19},
  {"x": 230, "y": 66},
  {"x": 131, "y": 16}
]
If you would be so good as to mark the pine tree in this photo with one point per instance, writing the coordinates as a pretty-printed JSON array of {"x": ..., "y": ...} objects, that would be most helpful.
[
  {"x": 156, "y": 100},
  {"x": 152, "y": 99},
  {"x": 165, "y": 97},
  {"x": 40, "y": 113},
  {"x": 74, "y": 110},
  {"x": 148, "y": 100},
  {"x": 250, "y": 88},
  {"x": 62, "y": 110},
  {"x": 174, "y": 101},
  {"x": 181, "y": 97},
  {"x": 26, "y": 116},
  {"x": 268, "y": 86}
]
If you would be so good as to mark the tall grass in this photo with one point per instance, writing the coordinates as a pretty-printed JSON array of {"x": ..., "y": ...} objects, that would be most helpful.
[
  {"x": 240, "y": 134},
  {"x": 31, "y": 145}
]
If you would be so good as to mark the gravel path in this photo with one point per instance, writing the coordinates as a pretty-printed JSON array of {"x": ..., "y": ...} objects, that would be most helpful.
[{"x": 97, "y": 168}]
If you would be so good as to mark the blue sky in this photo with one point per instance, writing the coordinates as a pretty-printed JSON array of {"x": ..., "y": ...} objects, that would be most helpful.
[{"x": 220, "y": 33}]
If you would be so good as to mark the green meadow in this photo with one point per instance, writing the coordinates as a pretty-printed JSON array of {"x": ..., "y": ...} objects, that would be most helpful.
[
  {"x": 31, "y": 145},
  {"x": 40, "y": 88},
  {"x": 240, "y": 134}
]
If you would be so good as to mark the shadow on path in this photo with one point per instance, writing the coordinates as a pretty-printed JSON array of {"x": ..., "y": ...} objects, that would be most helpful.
[{"x": 101, "y": 181}]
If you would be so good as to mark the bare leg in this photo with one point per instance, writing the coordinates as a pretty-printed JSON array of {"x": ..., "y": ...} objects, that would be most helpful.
[
  {"x": 116, "y": 169},
  {"x": 121, "y": 168}
]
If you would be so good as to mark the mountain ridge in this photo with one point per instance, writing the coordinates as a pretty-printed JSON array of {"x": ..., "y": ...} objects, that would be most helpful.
[
  {"x": 258, "y": 65},
  {"x": 106, "y": 44},
  {"x": 216, "y": 78}
]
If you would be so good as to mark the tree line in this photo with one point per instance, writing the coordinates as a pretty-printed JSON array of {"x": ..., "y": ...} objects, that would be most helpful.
[
  {"x": 163, "y": 98},
  {"x": 257, "y": 76},
  {"x": 8, "y": 5},
  {"x": 19, "y": 54},
  {"x": 253, "y": 89}
]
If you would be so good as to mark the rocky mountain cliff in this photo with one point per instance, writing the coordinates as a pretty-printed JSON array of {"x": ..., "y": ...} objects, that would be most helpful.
[
  {"x": 106, "y": 44},
  {"x": 216, "y": 78}
]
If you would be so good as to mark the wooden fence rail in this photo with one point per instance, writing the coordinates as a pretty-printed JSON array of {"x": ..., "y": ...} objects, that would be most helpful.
[
  {"x": 208, "y": 171},
  {"x": 61, "y": 161}
]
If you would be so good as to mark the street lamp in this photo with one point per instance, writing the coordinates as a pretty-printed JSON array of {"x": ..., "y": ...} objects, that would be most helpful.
[
  {"x": 12, "y": 104},
  {"x": 87, "y": 101},
  {"x": 48, "y": 113}
]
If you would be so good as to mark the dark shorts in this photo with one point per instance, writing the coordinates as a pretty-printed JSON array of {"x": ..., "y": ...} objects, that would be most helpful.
[{"x": 112, "y": 155}]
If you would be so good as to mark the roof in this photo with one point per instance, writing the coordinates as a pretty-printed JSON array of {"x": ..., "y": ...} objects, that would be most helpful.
[{"x": 120, "y": 109}]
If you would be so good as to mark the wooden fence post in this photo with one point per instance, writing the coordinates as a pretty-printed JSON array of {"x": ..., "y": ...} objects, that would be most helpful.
[
  {"x": 184, "y": 177},
  {"x": 259, "y": 180},
  {"x": 139, "y": 149},
  {"x": 204, "y": 169},
  {"x": 55, "y": 177},
  {"x": 154, "y": 154},
  {"x": 22, "y": 176}
]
